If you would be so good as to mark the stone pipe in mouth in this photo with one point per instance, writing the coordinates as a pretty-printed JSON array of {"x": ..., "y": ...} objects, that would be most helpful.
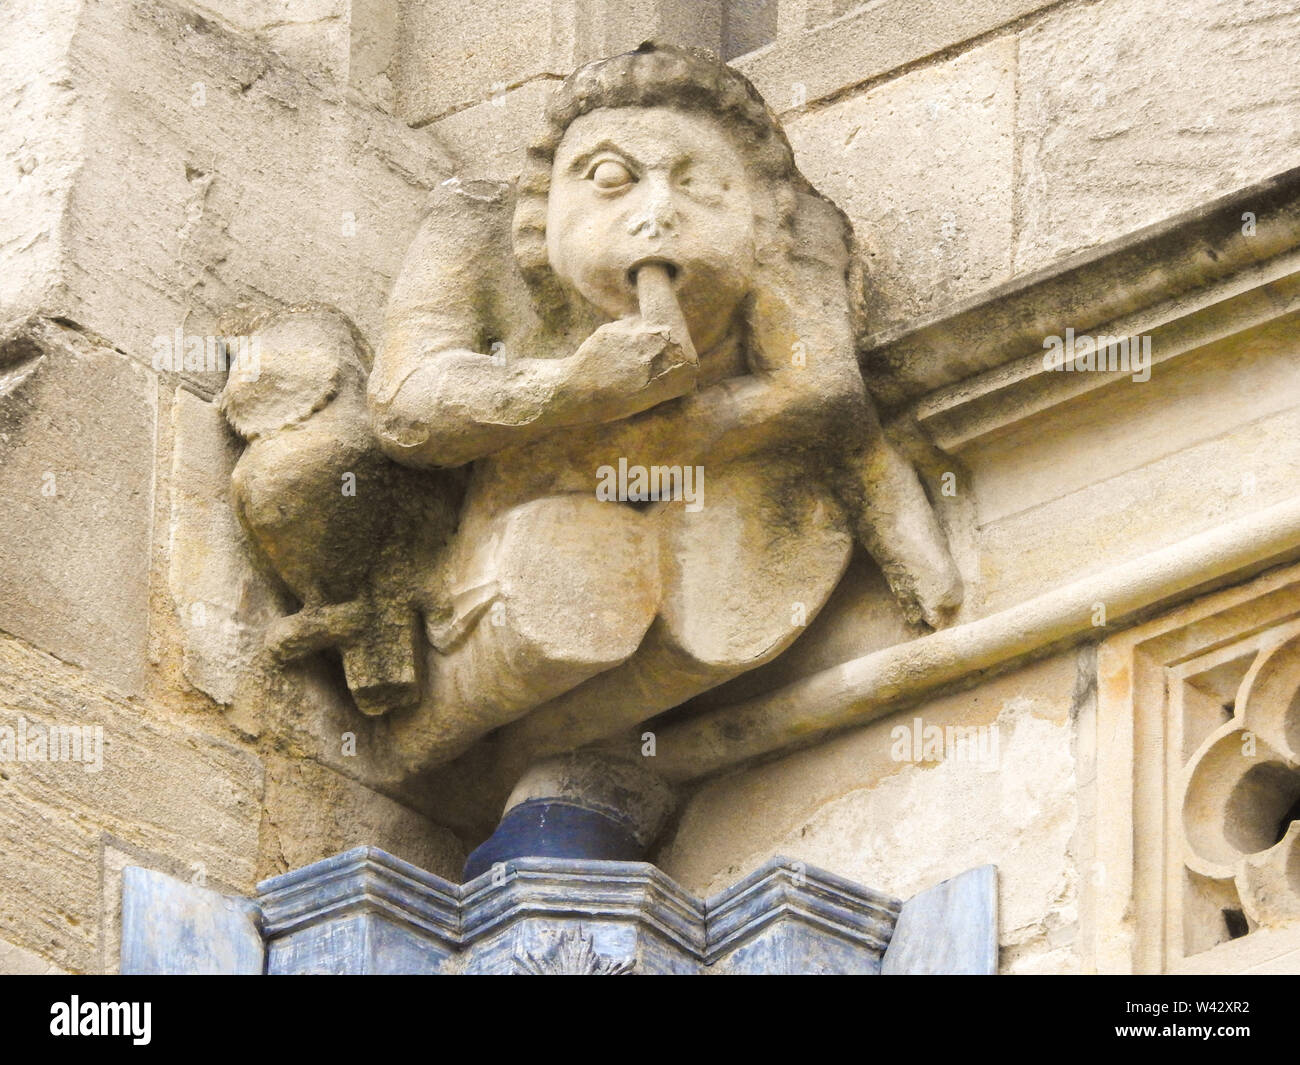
[{"x": 659, "y": 306}]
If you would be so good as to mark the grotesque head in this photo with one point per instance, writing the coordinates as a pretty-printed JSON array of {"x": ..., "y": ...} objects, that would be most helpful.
[{"x": 660, "y": 155}]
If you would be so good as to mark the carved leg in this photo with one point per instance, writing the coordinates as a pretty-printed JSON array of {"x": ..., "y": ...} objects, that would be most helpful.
[
  {"x": 382, "y": 662},
  {"x": 378, "y": 644},
  {"x": 575, "y": 589},
  {"x": 659, "y": 677},
  {"x": 898, "y": 526}
]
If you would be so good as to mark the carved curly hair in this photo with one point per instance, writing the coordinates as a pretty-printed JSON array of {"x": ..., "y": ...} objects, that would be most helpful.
[{"x": 654, "y": 75}]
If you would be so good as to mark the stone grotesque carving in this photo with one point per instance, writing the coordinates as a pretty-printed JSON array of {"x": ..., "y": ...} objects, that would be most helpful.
[
  {"x": 352, "y": 535},
  {"x": 643, "y": 356}
]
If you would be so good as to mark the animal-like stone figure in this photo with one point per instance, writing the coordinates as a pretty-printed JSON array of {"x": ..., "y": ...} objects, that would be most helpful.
[{"x": 351, "y": 535}]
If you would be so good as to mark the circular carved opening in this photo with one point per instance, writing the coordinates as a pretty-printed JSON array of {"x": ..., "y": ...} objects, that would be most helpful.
[{"x": 1264, "y": 800}]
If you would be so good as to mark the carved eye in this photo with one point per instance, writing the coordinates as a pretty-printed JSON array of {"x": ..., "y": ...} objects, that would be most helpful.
[{"x": 610, "y": 174}]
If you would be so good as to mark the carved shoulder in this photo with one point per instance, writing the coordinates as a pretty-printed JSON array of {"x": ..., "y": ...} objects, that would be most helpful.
[{"x": 459, "y": 285}]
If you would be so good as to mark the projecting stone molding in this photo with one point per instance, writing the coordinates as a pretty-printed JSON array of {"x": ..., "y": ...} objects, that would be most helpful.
[{"x": 366, "y": 912}]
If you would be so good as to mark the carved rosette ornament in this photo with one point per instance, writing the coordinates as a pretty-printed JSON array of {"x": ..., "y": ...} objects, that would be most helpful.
[
  {"x": 572, "y": 954},
  {"x": 1241, "y": 797}
]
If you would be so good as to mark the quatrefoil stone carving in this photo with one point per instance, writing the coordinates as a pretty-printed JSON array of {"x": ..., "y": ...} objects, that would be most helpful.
[{"x": 1241, "y": 791}]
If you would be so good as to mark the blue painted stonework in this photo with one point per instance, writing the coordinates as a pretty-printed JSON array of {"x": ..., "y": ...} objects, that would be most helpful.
[
  {"x": 555, "y": 828},
  {"x": 365, "y": 911},
  {"x": 171, "y": 927},
  {"x": 948, "y": 928}
]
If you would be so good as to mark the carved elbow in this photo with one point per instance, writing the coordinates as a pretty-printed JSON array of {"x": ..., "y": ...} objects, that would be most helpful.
[
  {"x": 408, "y": 430},
  {"x": 400, "y": 427}
]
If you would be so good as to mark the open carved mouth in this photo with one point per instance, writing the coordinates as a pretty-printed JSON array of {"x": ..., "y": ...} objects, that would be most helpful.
[{"x": 670, "y": 268}]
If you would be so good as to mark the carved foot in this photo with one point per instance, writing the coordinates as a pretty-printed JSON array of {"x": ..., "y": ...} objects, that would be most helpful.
[
  {"x": 930, "y": 596},
  {"x": 378, "y": 646}
]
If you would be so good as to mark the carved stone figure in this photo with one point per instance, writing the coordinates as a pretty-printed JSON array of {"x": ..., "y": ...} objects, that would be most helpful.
[
  {"x": 643, "y": 355},
  {"x": 352, "y": 535}
]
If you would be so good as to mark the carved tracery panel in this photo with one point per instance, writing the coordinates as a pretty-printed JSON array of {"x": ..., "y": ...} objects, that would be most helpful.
[{"x": 1196, "y": 860}]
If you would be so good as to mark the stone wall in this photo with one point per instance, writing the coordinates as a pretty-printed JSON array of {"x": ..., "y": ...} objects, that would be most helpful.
[{"x": 165, "y": 168}]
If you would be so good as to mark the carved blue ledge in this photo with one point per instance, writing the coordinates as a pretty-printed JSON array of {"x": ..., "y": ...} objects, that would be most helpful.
[{"x": 365, "y": 911}]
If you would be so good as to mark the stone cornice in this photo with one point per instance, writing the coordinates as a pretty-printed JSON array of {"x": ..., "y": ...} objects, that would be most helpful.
[
  {"x": 543, "y": 887},
  {"x": 370, "y": 881},
  {"x": 783, "y": 889},
  {"x": 1180, "y": 265},
  {"x": 363, "y": 880}
]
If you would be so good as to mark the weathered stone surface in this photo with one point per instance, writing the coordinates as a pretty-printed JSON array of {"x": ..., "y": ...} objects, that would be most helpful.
[
  {"x": 15, "y": 961},
  {"x": 76, "y": 489},
  {"x": 608, "y": 27},
  {"x": 1130, "y": 513},
  {"x": 223, "y": 602},
  {"x": 376, "y": 36},
  {"x": 40, "y": 148},
  {"x": 1209, "y": 438},
  {"x": 311, "y": 34},
  {"x": 815, "y": 57},
  {"x": 455, "y": 55},
  {"x": 750, "y": 25},
  {"x": 905, "y": 823},
  {"x": 1267, "y": 952},
  {"x": 1120, "y": 126},
  {"x": 170, "y": 787},
  {"x": 488, "y": 140},
  {"x": 49, "y": 887},
  {"x": 349, "y": 42},
  {"x": 198, "y": 123},
  {"x": 161, "y": 787},
  {"x": 924, "y": 166},
  {"x": 312, "y": 812},
  {"x": 1199, "y": 274}
]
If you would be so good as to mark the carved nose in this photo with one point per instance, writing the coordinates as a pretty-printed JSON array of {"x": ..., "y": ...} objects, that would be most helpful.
[{"x": 657, "y": 217}]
